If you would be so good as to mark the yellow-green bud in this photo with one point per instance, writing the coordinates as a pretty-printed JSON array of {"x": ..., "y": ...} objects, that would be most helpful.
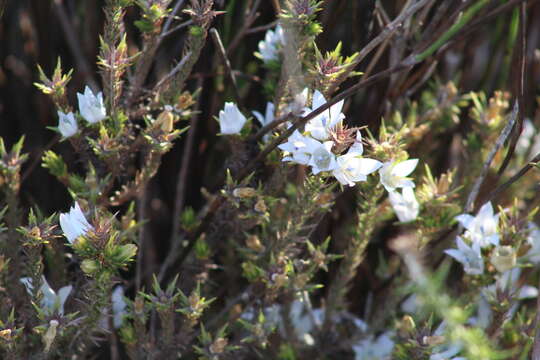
[
  {"x": 503, "y": 258},
  {"x": 89, "y": 266}
]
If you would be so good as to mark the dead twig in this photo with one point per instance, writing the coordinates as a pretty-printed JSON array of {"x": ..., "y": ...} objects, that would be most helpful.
[
  {"x": 498, "y": 144},
  {"x": 223, "y": 54}
]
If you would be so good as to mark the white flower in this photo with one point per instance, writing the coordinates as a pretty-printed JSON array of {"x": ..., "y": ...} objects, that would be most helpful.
[
  {"x": 319, "y": 127},
  {"x": 67, "y": 125},
  {"x": 91, "y": 106},
  {"x": 74, "y": 224},
  {"x": 371, "y": 348},
  {"x": 351, "y": 167},
  {"x": 405, "y": 205},
  {"x": 529, "y": 140},
  {"x": 118, "y": 306},
  {"x": 267, "y": 118},
  {"x": 509, "y": 282},
  {"x": 298, "y": 105},
  {"x": 394, "y": 174},
  {"x": 303, "y": 319},
  {"x": 482, "y": 228},
  {"x": 299, "y": 148},
  {"x": 322, "y": 159},
  {"x": 268, "y": 115},
  {"x": 469, "y": 257},
  {"x": 270, "y": 46},
  {"x": 51, "y": 301},
  {"x": 231, "y": 120}
]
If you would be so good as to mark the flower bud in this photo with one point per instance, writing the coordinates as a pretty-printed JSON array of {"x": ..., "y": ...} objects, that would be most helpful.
[
  {"x": 165, "y": 121},
  {"x": 218, "y": 346},
  {"x": 433, "y": 340},
  {"x": 260, "y": 206},
  {"x": 5, "y": 334},
  {"x": 127, "y": 252},
  {"x": 406, "y": 326},
  {"x": 50, "y": 335},
  {"x": 503, "y": 258},
  {"x": 89, "y": 266},
  {"x": 244, "y": 192},
  {"x": 254, "y": 243}
]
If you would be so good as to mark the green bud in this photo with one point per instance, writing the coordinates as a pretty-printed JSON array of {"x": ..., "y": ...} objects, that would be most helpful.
[
  {"x": 90, "y": 267},
  {"x": 126, "y": 253}
]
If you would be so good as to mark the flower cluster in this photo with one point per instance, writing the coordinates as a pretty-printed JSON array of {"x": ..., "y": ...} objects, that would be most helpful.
[
  {"x": 481, "y": 232},
  {"x": 91, "y": 108},
  {"x": 270, "y": 47},
  {"x": 328, "y": 146}
]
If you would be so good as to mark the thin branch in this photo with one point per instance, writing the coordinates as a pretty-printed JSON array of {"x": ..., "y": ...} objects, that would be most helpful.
[
  {"x": 388, "y": 31},
  {"x": 176, "y": 28},
  {"x": 250, "y": 19},
  {"x": 520, "y": 87},
  {"x": 498, "y": 144},
  {"x": 257, "y": 29},
  {"x": 174, "y": 242},
  {"x": 173, "y": 72},
  {"x": 170, "y": 19},
  {"x": 514, "y": 178},
  {"x": 223, "y": 54},
  {"x": 74, "y": 44}
]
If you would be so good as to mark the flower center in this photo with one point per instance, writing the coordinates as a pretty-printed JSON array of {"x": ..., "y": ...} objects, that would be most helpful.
[{"x": 322, "y": 158}]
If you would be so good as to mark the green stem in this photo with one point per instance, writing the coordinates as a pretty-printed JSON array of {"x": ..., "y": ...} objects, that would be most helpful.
[
  {"x": 461, "y": 21},
  {"x": 354, "y": 254}
]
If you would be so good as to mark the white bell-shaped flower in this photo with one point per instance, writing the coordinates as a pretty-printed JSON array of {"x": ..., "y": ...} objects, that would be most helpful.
[
  {"x": 91, "y": 106},
  {"x": 74, "y": 224},
  {"x": 405, "y": 204},
  {"x": 273, "y": 41},
  {"x": 482, "y": 228},
  {"x": 352, "y": 167},
  {"x": 322, "y": 158},
  {"x": 469, "y": 256},
  {"x": 320, "y": 126},
  {"x": 231, "y": 120},
  {"x": 299, "y": 148},
  {"x": 394, "y": 174},
  {"x": 67, "y": 124}
]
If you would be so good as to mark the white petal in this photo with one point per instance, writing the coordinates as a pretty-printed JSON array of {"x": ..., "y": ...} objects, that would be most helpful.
[
  {"x": 456, "y": 254},
  {"x": 404, "y": 168},
  {"x": 318, "y": 100},
  {"x": 465, "y": 220},
  {"x": 527, "y": 292},
  {"x": 259, "y": 117},
  {"x": 63, "y": 293},
  {"x": 367, "y": 166}
]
